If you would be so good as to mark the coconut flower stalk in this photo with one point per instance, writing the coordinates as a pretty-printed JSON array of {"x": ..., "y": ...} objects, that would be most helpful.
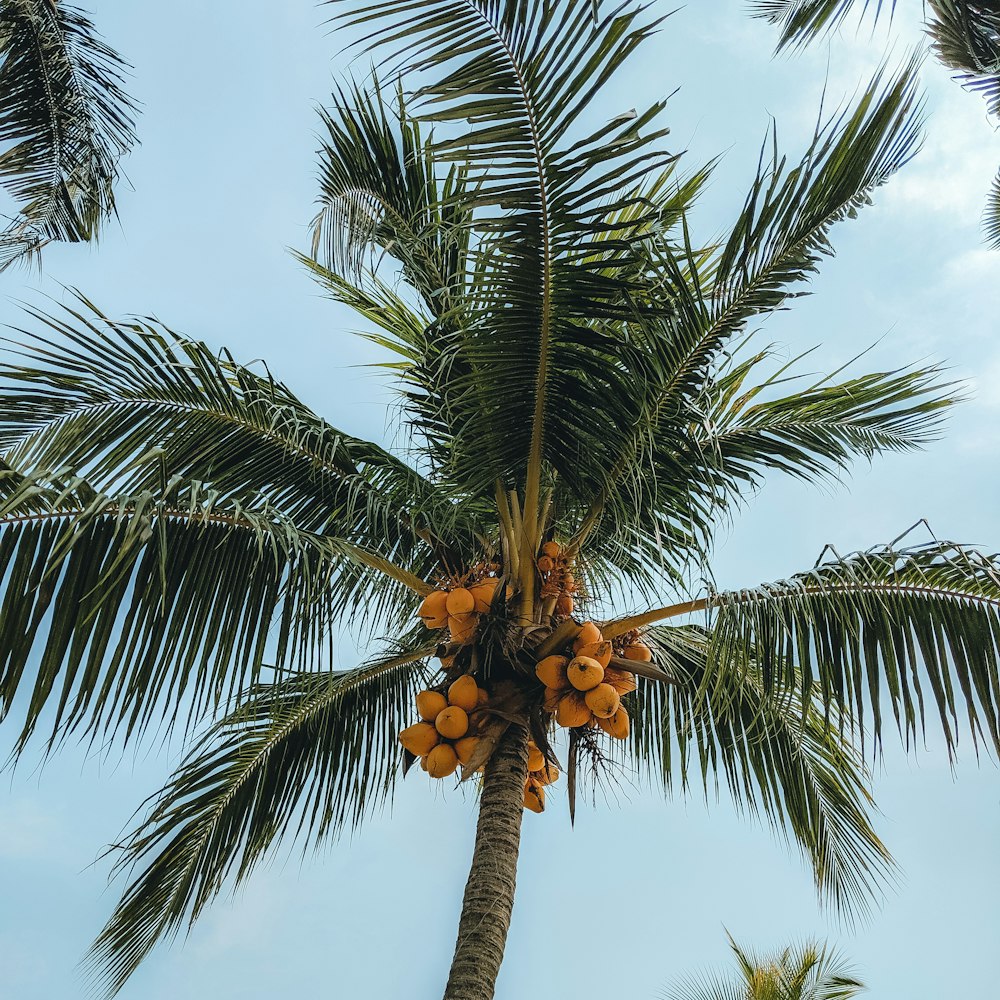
[{"x": 576, "y": 376}]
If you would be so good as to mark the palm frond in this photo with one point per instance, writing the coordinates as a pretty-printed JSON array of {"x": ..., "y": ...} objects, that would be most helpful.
[
  {"x": 806, "y": 971},
  {"x": 302, "y": 758},
  {"x": 709, "y": 298},
  {"x": 801, "y": 21},
  {"x": 991, "y": 218},
  {"x": 129, "y": 405},
  {"x": 63, "y": 107},
  {"x": 918, "y": 627},
  {"x": 780, "y": 759},
  {"x": 965, "y": 37},
  {"x": 145, "y": 605}
]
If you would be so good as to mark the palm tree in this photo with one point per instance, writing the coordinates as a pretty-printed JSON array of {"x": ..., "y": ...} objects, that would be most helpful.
[
  {"x": 809, "y": 971},
  {"x": 69, "y": 122},
  {"x": 180, "y": 535},
  {"x": 965, "y": 38}
]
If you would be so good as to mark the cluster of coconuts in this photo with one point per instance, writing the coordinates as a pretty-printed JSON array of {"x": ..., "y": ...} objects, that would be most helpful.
[
  {"x": 459, "y": 608},
  {"x": 442, "y": 738},
  {"x": 540, "y": 773},
  {"x": 584, "y": 689},
  {"x": 557, "y": 580}
]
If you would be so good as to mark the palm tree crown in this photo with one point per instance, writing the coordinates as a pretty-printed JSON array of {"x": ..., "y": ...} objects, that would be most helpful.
[{"x": 180, "y": 535}]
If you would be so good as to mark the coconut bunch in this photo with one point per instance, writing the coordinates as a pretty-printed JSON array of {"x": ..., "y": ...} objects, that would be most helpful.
[
  {"x": 583, "y": 689},
  {"x": 540, "y": 774},
  {"x": 557, "y": 578},
  {"x": 458, "y": 608},
  {"x": 445, "y": 736}
]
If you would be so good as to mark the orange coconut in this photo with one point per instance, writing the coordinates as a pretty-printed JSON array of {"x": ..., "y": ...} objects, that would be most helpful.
[
  {"x": 617, "y": 725},
  {"x": 482, "y": 594},
  {"x": 572, "y": 711},
  {"x": 552, "y": 698},
  {"x": 552, "y": 549},
  {"x": 420, "y": 739},
  {"x": 584, "y": 673},
  {"x": 462, "y": 628},
  {"x": 536, "y": 759},
  {"x": 433, "y": 610},
  {"x": 588, "y": 633},
  {"x": 600, "y": 651},
  {"x": 429, "y": 703},
  {"x": 534, "y": 798},
  {"x": 603, "y": 701},
  {"x": 465, "y": 748},
  {"x": 551, "y": 671},
  {"x": 545, "y": 564},
  {"x": 564, "y": 606},
  {"x": 452, "y": 723},
  {"x": 621, "y": 680},
  {"x": 442, "y": 761},
  {"x": 638, "y": 651},
  {"x": 460, "y": 601},
  {"x": 464, "y": 692},
  {"x": 547, "y": 775}
]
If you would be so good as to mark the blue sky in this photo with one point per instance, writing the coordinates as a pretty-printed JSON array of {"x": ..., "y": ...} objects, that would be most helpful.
[{"x": 222, "y": 184}]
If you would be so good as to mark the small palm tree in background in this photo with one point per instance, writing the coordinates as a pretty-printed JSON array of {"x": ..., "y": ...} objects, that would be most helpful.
[
  {"x": 68, "y": 122},
  {"x": 180, "y": 536},
  {"x": 809, "y": 971},
  {"x": 965, "y": 38}
]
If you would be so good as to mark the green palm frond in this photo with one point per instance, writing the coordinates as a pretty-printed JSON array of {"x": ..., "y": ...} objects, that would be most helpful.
[
  {"x": 801, "y": 21},
  {"x": 918, "y": 627},
  {"x": 63, "y": 108},
  {"x": 128, "y": 406},
  {"x": 815, "y": 432},
  {"x": 302, "y": 758},
  {"x": 991, "y": 218},
  {"x": 965, "y": 37},
  {"x": 515, "y": 79},
  {"x": 119, "y": 608},
  {"x": 808, "y": 971},
  {"x": 780, "y": 760},
  {"x": 707, "y": 300}
]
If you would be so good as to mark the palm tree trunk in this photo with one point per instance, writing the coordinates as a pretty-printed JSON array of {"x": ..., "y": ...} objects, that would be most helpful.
[{"x": 489, "y": 893}]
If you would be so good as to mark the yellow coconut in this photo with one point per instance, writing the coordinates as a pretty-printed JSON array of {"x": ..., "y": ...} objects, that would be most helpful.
[
  {"x": 584, "y": 673},
  {"x": 536, "y": 759},
  {"x": 464, "y": 692},
  {"x": 638, "y": 651},
  {"x": 460, "y": 601},
  {"x": 603, "y": 701},
  {"x": 564, "y": 606},
  {"x": 588, "y": 633},
  {"x": 545, "y": 564},
  {"x": 552, "y": 698},
  {"x": 617, "y": 725},
  {"x": 429, "y": 703},
  {"x": 434, "y": 610},
  {"x": 462, "y": 628},
  {"x": 534, "y": 798},
  {"x": 465, "y": 748},
  {"x": 442, "y": 761},
  {"x": 423, "y": 763},
  {"x": 621, "y": 680},
  {"x": 482, "y": 594},
  {"x": 572, "y": 711},
  {"x": 551, "y": 671},
  {"x": 551, "y": 549},
  {"x": 600, "y": 651},
  {"x": 420, "y": 739},
  {"x": 452, "y": 723}
]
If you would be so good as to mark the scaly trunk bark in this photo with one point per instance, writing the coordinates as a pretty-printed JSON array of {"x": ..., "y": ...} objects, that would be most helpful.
[{"x": 489, "y": 893}]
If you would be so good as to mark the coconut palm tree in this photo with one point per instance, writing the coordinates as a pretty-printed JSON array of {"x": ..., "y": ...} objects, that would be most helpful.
[
  {"x": 965, "y": 38},
  {"x": 68, "y": 122},
  {"x": 180, "y": 535},
  {"x": 809, "y": 971}
]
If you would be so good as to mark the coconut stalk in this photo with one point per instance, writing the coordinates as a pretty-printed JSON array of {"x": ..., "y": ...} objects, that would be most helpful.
[{"x": 489, "y": 892}]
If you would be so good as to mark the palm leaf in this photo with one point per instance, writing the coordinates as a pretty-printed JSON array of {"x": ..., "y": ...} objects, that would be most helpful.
[
  {"x": 965, "y": 37},
  {"x": 302, "y": 758},
  {"x": 134, "y": 605},
  {"x": 801, "y": 21},
  {"x": 991, "y": 219},
  {"x": 918, "y": 627},
  {"x": 780, "y": 759},
  {"x": 63, "y": 107}
]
